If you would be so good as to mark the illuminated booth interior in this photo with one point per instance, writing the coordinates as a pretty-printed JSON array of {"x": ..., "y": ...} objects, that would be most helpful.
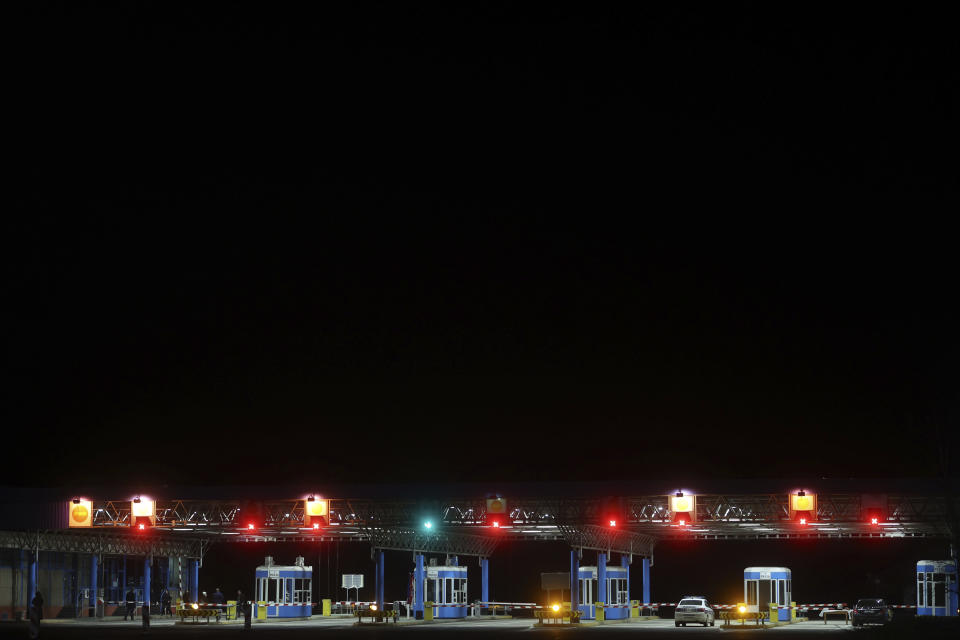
[
  {"x": 616, "y": 590},
  {"x": 284, "y": 591},
  {"x": 763, "y": 586},
  {"x": 936, "y": 588},
  {"x": 446, "y": 587}
]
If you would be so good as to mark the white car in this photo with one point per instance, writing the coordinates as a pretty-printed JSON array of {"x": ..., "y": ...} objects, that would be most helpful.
[{"x": 694, "y": 609}]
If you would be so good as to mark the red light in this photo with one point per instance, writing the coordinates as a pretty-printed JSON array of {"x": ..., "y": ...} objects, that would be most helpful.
[
  {"x": 496, "y": 524},
  {"x": 141, "y": 526},
  {"x": 682, "y": 522},
  {"x": 874, "y": 521},
  {"x": 316, "y": 525},
  {"x": 250, "y": 526},
  {"x": 803, "y": 521},
  {"x": 613, "y": 523}
]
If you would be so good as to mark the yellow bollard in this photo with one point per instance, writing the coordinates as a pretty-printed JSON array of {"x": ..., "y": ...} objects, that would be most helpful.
[
  {"x": 327, "y": 608},
  {"x": 634, "y": 608},
  {"x": 600, "y": 616},
  {"x": 428, "y": 611}
]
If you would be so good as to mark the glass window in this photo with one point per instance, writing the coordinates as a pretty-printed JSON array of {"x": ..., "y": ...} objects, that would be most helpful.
[
  {"x": 751, "y": 592},
  {"x": 929, "y": 599},
  {"x": 789, "y": 590},
  {"x": 781, "y": 592},
  {"x": 430, "y": 591},
  {"x": 919, "y": 577},
  {"x": 920, "y": 601},
  {"x": 448, "y": 590}
]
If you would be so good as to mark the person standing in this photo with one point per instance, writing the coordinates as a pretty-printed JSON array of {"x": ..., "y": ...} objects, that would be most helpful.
[
  {"x": 217, "y": 600},
  {"x": 165, "y": 602},
  {"x": 36, "y": 614},
  {"x": 131, "y": 602}
]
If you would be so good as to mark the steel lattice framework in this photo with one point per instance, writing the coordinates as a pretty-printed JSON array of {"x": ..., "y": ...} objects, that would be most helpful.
[
  {"x": 641, "y": 521},
  {"x": 97, "y": 542}
]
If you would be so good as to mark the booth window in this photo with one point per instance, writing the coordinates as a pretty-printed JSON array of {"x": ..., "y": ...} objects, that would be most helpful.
[
  {"x": 460, "y": 590},
  {"x": 751, "y": 592},
  {"x": 781, "y": 592}
]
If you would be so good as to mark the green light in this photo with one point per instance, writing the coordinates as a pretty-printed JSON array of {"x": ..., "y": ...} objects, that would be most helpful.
[{"x": 428, "y": 524}]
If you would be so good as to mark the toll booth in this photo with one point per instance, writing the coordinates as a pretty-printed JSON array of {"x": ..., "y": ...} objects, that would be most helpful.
[
  {"x": 284, "y": 591},
  {"x": 616, "y": 590},
  {"x": 763, "y": 586},
  {"x": 446, "y": 587},
  {"x": 936, "y": 588}
]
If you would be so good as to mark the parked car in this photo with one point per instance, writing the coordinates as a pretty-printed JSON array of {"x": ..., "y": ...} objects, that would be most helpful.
[
  {"x": 693, "y": 609},
  {"x": 871, "y": 611}
]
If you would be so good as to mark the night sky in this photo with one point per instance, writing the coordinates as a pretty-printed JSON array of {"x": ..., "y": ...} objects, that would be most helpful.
[{"x": 533, "y": 243}]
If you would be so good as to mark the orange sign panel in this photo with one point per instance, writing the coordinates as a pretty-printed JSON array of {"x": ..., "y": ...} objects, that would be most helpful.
[
  {"x": 80, "y": 514},
  {"x": 802, "y": 503},
  {"x": 315, "y": 507}
]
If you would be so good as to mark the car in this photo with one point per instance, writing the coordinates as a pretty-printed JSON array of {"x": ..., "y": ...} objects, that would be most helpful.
[
  {"x": 694, "y": 609},
  {"x": 871, "y": 611}
]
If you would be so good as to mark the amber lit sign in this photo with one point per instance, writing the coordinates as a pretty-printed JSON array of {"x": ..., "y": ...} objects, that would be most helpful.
[
  {"x": 682, "y": 504},
  {"x": 315, "y": 507},
  {"x": 80, "y": 513},
  {"x": 315, "y": 512},
  {"x": 802, "y": 503}
]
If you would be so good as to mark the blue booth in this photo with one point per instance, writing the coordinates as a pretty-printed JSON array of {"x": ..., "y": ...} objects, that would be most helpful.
[
  {"x": 446, "y": 587},
  {"x": 615, "y": 591},
  {"x": 284, "y": 591},
  {"x": 936, "y": 588},
  {"x": 763, "y": 586}
]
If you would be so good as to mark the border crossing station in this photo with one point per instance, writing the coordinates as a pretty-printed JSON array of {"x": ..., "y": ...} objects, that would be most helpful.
[{"x": 86, "y": 552}]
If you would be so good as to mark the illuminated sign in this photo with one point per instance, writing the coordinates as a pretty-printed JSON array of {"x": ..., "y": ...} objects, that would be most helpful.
[
  {"x": 496, "y": 506},
  {"x": 803, "y": 506},
  {"x": 681, "y": 504},
  {"x": 143, "y": 508},
  {"x": 315, "y": 512},
  {"x": 315, "y": 507},
  {"x": 683, "y": 507},
  {"x": 80, "y": 513}
]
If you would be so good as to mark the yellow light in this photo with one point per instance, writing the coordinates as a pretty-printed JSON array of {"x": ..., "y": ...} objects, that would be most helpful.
[
  {"x": 555, "y": 607},
  {"x": 80, "y": 513},
  {"x": 681, "y": 505},
  {"x": 373, "y": 607},
  {"x": 316, "y": 507},
  {"x": 195, "y": 605},
  {"x": 743, "y": 609},
  {"x": 802, "y": 503}
]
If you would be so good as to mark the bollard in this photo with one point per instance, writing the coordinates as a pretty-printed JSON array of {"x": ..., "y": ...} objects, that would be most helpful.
[
  {"x": 146, "y": 618},
  {"x": 246, "y": 616}
]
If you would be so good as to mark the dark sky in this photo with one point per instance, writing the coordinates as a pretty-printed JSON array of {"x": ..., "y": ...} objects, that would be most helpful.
[{"x": 535, "y": 243}]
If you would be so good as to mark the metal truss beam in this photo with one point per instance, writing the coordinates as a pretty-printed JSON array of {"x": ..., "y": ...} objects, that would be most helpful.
[
  {"x": 603, "y": 539},
  {"x": 540, "y": 518},
  {"x": 100, "y": 543},
  {"x": 448, "y": 542}
]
